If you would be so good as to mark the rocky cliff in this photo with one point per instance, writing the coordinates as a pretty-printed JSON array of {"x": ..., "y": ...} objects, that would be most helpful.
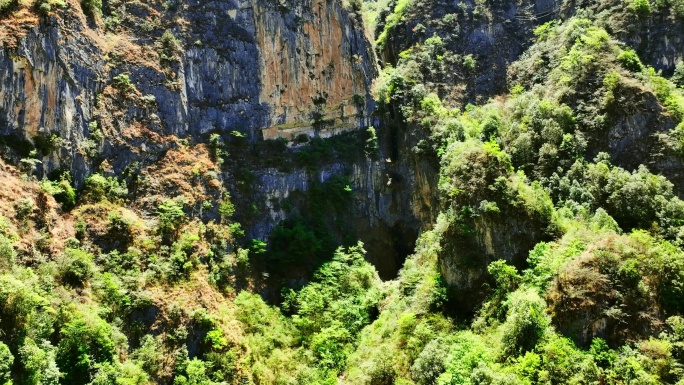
[
  {"x": 265, "y": 70},
  {"x": 123, "y": 93},
  {"x": 393, "y": 194},
  {"x": 115, "y": 92}
]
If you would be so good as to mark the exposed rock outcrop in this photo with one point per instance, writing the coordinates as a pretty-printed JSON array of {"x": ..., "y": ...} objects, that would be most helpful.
[
  {"x": 124, "y": 91},
  {"x": 249, "y": 66},
  {"x": 657, "y": 36},
  {"x": 394, "y": 196}
]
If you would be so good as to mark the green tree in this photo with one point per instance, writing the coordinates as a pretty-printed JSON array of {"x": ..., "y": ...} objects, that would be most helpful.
[
  {"x": 641, "y": 7},
  {"x": 628, "y": 58},
  {"x": 526, "y": 321},
  {"x": 7, "y": 253},
  {"x": 430, "y": 363},
  {"x": 76, "y": 267},
  {"x": 603, "y": 355},
  {"x": 6, "y": 361},
  {"x": 226, "y": 208},
  {"x": 506, "y": 277},
  {"x": 39, "y": 363},
  {"x": 6, "y": 5},
  {"x": 181, "y": 259},
  {"x": 195, "y": 374},
  {"x": 678, "y": 76},
  {"x": 92, "y": 7},
  {"x": 86, "y": 340},
  {"x": 329, "y": 346},
  {"x": 171, "y": 217},
  {"x": 127, "y": 373},
  {"x": 62, "y": 190},
  {"x": 98, "y": 187}
]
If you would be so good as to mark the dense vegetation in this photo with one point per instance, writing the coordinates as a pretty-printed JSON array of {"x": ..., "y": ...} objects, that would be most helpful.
[
  {"x": 557, "y": 256},
  {"x": 595, "y": 297}
]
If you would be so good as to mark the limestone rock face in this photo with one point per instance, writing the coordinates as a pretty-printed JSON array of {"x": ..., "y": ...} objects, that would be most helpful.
[
  {"x": 307, "y": 87},
  {"x": 122, "y": 92},
  {"x": 261, "y": 68},
  {"x": 464, "y": 259},
  {"x": 48, "y": 85},
  {"x": 394, "y": 196}
]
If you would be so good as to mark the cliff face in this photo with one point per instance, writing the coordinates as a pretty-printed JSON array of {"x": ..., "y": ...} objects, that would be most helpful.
[
  {"x": 121, "y": 92},
  {"x": 656, "y": 35},
  {"x": 50, "y": 76},
  {"x": 393, "y": 195},
  {"x": 307, "y": 87},
  {"x": 262, "y": 69}
]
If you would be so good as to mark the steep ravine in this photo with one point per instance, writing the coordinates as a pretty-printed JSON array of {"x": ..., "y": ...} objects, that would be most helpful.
[
  {"x": 394, "y": 196},
  {"x": 93, "y": 95}
]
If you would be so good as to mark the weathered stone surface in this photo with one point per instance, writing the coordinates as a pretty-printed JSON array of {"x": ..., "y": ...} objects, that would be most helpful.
[
  {"x": 464, "y": 258},
  {"x": 249, "y": 66},
  {"x": 261, "y": 68},
  {"x": 395, "y": 196},
  {"x": 48, "y": 85},
  {"x": 313, "y": 62}
]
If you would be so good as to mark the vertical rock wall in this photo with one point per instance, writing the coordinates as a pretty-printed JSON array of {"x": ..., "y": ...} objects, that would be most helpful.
[
  {"x": 315, "y": 68},
  {"x": 262, "y": 68},
  {"x": 49, "y": 80}
]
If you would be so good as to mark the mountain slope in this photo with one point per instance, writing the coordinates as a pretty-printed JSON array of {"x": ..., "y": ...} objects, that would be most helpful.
[{"x": 185, "y": 185}]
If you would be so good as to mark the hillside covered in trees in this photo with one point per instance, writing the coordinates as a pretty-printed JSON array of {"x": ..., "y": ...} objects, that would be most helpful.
[{"x": 377, "y": 192}]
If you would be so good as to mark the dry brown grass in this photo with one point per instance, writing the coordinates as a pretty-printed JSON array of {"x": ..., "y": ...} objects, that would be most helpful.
[
  {"x": 194, "y": 295},
  {"x": 96, "y": 218},
  {"x": 16, "y": 25},
  {"x": 184, "y": 171},
  {"x": 123, "y": 47},
  {"x": 592, "y": 296},
  {"x": 45, "y": 218}
]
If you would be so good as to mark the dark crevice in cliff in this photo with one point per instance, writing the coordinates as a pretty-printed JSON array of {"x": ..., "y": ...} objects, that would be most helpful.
[{"x": 389, "y": 246}]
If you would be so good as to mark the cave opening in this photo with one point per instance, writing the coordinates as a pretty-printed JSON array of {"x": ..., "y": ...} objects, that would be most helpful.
[{"x": 388, "y": 246}]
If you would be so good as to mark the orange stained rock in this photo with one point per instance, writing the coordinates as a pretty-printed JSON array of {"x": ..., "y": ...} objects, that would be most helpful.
[{"x": 315, "y": 64}]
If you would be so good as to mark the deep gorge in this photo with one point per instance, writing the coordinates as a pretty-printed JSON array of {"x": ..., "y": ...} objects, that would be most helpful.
[{"x": 369, "y": 192}]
